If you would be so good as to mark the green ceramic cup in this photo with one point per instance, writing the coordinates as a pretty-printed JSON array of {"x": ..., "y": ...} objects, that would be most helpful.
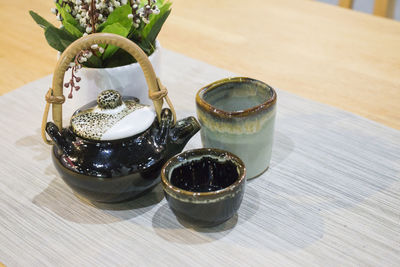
[{"x": 238, "y": 115}]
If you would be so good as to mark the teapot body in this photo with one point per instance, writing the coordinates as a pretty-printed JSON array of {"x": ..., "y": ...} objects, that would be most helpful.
[
  {"x": 119, "y": 170},
  {"x": 113, "y": 151}
]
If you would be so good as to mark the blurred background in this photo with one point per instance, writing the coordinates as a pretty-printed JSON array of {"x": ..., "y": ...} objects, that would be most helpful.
[{"x": 367, "y": 6}]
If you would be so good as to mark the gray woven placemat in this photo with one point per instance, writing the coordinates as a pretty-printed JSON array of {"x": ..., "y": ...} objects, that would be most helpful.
[{"x": 330, "y": 198}]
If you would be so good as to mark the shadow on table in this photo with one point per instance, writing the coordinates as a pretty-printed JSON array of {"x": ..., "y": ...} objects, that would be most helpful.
[
  {"x": 173, "y": 229},
  {"x": 267, "y": 221},
  {"x": 63, "y": 202},
  {"x": 282, "y": 147},
  {"x": 35, "y": 143}
]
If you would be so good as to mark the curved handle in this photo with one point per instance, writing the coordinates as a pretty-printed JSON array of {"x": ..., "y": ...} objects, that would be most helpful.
[{"x": 55, "y": 95}]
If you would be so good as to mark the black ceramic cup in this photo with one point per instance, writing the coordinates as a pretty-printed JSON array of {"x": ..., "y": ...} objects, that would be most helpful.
[{"x": 204, "y": 186}]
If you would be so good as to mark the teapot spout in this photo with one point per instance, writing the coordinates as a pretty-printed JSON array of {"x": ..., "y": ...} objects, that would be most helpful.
[
  {"x": 183, "y": 130},
  {"x": 57, "y": 137}
]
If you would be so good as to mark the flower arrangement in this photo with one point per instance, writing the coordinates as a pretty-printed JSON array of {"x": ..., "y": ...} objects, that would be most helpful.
[{"x": 138, "y": 20}]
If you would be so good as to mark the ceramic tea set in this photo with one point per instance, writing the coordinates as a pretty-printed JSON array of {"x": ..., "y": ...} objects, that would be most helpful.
[{"x": 116, "y": 148}]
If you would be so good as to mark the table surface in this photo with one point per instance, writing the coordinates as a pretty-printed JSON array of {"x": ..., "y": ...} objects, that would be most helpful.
[
  {"x": 330, "y": 197},
  {"x": 329, "y": 54}
]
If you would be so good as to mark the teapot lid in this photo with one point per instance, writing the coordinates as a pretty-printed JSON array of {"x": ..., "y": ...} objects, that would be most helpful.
[{"x": 112, "y": 118}]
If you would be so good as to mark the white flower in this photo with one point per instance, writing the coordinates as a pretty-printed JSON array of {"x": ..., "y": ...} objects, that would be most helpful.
[
  {"x": 54, "y": 10},
  {"x": 101, "y": 50},
  {"x": 141, "y": 9},
  {"x": 95, "y": 46},
  {"x": 155, "y": 10}
]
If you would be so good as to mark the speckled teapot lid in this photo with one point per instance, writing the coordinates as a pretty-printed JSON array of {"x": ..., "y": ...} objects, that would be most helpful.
[{"x": 112, "y": 118}]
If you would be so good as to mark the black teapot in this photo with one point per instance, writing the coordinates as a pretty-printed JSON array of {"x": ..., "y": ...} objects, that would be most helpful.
[{"x": 114, "y": 148}]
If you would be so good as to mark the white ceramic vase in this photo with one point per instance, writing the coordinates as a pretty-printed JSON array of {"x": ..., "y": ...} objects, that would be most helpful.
[{"x": 129, "y": 80}]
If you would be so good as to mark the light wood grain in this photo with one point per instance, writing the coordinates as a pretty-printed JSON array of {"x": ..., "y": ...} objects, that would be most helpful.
[
  {"x": 326, "y": 53},
  {"x": 24, "y": 53},
  {"x": 330, "y": 198}
]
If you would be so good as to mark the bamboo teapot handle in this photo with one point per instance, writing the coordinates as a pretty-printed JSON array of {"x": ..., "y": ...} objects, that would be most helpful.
[{"x": 55, "y": 97}]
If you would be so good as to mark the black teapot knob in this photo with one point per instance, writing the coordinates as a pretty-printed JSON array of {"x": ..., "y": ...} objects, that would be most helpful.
[{"x": 109, "y": 99}]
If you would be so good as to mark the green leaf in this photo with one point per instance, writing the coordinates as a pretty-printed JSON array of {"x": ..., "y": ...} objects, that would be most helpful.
[
  {"x": 119, "y": 15},
  {"x": 67, "y": 8},
  {"x": 119, "y": 58},
  {"x": 115, "y": 28},
  {"x": 70, "y": 24},
  {"x": 72, "y": 29},
  {"x": 66, "y": 15},
  {"x": 151, "y": 30},
  {"x": 93, "y": 62},
  {"x": 58, "y": 39},
  {"x": 40, "y": 20},
  {"x": 146, "y": 46},
  {"x": 147, "y": 42}
]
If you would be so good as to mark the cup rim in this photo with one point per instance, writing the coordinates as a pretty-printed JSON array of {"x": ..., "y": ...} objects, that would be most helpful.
[
  {"x": 228, "y": 114},
  {"x": 205, "y": 152}
]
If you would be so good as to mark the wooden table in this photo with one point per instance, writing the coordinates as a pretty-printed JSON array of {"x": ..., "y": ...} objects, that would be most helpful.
[
  {"x": 329, "y": 54},
  {"x": 331, "y": 196}
]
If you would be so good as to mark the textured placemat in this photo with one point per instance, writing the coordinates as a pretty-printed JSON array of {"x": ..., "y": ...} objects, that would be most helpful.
[{"x": 330, "y": 198}]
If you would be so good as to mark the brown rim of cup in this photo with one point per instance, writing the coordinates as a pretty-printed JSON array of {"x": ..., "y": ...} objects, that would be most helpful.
[
  {"x": 227, "y": 114},
  {"x": 238, "y": 162}
]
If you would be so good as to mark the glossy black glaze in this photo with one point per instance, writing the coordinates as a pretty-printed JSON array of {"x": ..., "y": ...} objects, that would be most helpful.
[
  {"x": 114, "y": 171},
  {"x": 204, "y": 175},
  {"x": 209, "y": 207},
  {"x": 205, "y": 215}
]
